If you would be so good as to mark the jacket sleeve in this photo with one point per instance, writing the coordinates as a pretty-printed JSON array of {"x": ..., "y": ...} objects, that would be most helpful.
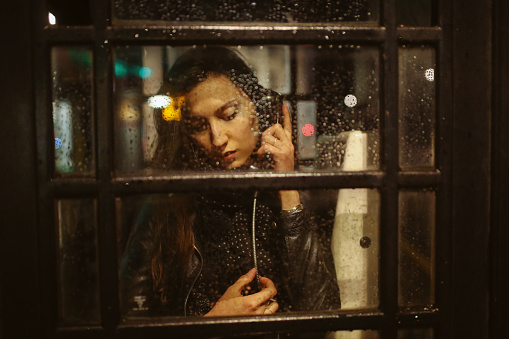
[{"x": 307, "y": 261}]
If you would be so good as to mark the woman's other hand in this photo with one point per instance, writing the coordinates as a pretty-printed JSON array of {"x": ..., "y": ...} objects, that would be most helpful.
[
  {"x": 233, "y": 302},
  {"x": 277, "y": 142}
]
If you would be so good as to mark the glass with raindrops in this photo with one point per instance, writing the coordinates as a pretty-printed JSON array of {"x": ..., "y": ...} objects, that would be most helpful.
[
  {"x": 331, "y": 92},
  {"x": 78, "y": 278},
  {"x": 416, "y": 13},
  {"x": 416, "y": 249},
  {"x": 142, "y": 12},
  {"x": 179, "y": 253},
  {"x": 417, "y": 108},
  {"x": 73, "y": 123}
]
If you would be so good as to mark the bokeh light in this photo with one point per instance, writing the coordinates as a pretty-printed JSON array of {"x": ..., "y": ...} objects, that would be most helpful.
[
  {"x": 430, "y": 74},
  {"x": 351, "y": 100},
  {"x": 308, "y": 130},
  {"x": 58, "y": 143}
]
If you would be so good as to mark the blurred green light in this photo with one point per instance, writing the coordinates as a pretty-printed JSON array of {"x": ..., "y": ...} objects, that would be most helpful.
[{"x": 145, "y": 72}]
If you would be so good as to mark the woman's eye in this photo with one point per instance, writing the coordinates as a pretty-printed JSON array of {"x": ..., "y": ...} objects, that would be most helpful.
[{"x": 230, "y": 113}]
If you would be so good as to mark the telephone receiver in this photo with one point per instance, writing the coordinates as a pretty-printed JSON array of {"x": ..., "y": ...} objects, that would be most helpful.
[{"x": 269, "y": 108}]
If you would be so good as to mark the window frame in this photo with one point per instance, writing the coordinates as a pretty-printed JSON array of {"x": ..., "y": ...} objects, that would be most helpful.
[
  {"x": 453, "y": 208},
  {"x": 106, "y": 188}
]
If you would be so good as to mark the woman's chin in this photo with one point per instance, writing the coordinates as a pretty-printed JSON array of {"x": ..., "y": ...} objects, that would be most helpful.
[{"x": 238, "y": 164}]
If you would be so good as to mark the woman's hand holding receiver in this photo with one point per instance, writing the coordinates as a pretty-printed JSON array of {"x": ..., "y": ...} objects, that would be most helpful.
[
  {"x": 277, "y": 141},
  {"x": 233, "y": 302}
]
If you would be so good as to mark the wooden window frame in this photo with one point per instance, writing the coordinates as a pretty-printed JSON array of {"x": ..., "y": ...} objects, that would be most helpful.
[{"x": 470, "y": 198}]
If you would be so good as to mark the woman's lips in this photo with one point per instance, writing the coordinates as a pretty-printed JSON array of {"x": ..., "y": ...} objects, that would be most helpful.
[{"x": 229, "y": 156}]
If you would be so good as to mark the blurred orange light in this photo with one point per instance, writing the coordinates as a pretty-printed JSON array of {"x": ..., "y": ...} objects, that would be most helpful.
[{"x": 172, "y": 111}]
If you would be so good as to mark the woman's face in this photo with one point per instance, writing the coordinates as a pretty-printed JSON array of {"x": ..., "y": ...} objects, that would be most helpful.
[{"x": 222, "y": 119}]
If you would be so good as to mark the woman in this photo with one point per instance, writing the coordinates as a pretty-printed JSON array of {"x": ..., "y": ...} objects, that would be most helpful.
[{"x": 225, "y": 254}]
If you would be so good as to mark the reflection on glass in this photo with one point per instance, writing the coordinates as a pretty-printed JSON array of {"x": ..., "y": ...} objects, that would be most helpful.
[
  {"x": 161, "y": 123},
  {"x": 416, "y": 333},
  {"x": 72, "y": 111},
  {"x": 247, "y": 11},
  {"x": 416, "y": 248},
  {"x": 77, "y": 256},
  {"x": 356, "y": 334},
  {"x": 180, "y": 253},
  {"x": 414, "y": 12},
  {"x": 417, "y": 108},
  {"x": 355, "y": 247}
]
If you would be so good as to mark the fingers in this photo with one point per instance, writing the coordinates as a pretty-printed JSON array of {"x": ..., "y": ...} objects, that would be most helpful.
[
  {"x": 287, "y": 119},
  {"x": 277, "y": 136},
  {"x": 234, "y": 303},
  {"x": 267, "y": 283},
  {"x": 244, "y": 280},
  {"x": 271, "y": 308},
  {"x": 267, "y": 292},
  {"x": 263, "y": 301},
  {"x": 277, "y": 143}
]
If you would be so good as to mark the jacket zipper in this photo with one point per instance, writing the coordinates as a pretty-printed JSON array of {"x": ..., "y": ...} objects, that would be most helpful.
[{"x": 195, "y": 279}]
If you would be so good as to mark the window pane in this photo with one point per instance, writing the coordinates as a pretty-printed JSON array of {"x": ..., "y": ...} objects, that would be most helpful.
[
  {"x": 414, "y": 12},
  {"x": 334, "y": 240},
  {"x": 331, "y": 92},
  {"x": 77, "y": 254},
  {"x": 417, "y": 107},
  {"x": 416, "y": 248},
  {"x": 245, "y": 11},
  {"x": 72, "y": 111},
  {"x": 340, "y": 85},
  {"x": 355, "y": 247}
]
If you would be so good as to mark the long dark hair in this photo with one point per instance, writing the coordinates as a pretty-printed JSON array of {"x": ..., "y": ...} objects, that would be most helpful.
[{"x": 172, "y": 248}]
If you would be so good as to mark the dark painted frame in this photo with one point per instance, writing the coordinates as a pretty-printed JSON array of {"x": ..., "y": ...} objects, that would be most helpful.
[{"x": 475, "y": 78}]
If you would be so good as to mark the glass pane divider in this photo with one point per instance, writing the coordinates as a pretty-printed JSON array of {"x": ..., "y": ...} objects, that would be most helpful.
[
  {"x": 70, "y": 35},
  {"x": 324, "y": 321},
  {"x": 389, "y": 194},
  {"x": 226, "y": 33},
  {"x": 103, "y": 106},
  {"x": 188, "y": 183},
  {"x": 46, "y": 207},
  {"x": 420, "y": 179},
  {"x": 238, "y": 34},
  {"x": 415, "y": 35},
  {"x": 444, "y": 162}
]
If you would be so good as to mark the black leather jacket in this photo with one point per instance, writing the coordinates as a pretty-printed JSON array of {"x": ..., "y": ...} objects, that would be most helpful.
[{"x": 291, "y": 249}]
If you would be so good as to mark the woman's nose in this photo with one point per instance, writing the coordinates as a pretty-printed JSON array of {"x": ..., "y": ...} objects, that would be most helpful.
[{"x": 218, "y": 135}]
